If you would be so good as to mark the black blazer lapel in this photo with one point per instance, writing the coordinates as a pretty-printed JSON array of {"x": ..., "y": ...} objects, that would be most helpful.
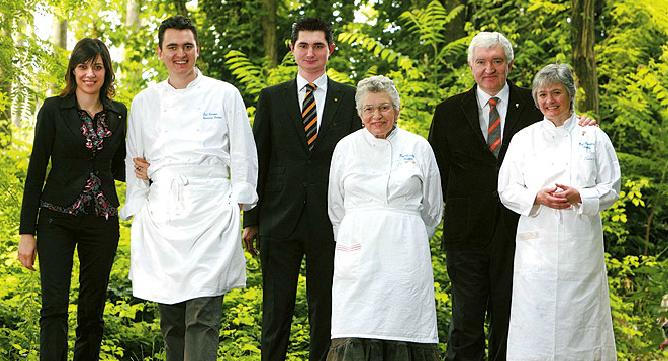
[
  {"x": 470, "y": 111},
  {"x": 513, "y": 123},
  {"x": 114, "y": 117},
  {"x": 70, "y": 116},
  {"x": 290, "y": 102},
  {"x": 332, "y": 102}
]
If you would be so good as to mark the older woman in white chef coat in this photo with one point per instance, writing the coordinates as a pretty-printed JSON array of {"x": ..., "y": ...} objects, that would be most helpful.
[
  {"x": 385, "y": 202},
  {"x": 558, "y": 176}
]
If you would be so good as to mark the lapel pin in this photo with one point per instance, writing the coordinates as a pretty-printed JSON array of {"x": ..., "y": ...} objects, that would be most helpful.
[
  {"x": 517, "y": 106},
  {"x": 336, "y": 100}
]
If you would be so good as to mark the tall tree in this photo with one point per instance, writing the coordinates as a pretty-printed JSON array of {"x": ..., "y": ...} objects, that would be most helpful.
[
  {"x": 132, "y": 11},
  {"x": 584, "y": 59},
  {"x": 269, "y": 29}
]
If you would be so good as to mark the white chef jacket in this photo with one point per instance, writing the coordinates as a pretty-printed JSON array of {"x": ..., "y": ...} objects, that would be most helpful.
[
  {"x": 561, "y": 305},
  {"x": 186, "y": 240},
  {"x": 385, "y": 202}
]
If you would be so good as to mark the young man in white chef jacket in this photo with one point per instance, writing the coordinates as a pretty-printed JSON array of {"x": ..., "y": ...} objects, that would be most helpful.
[{"x": 200, "y": 156}]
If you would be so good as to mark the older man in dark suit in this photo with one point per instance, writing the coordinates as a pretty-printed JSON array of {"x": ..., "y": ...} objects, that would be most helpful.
[
  {"x": 297, "y": 126},
  {"x": 470, "y": 133}
]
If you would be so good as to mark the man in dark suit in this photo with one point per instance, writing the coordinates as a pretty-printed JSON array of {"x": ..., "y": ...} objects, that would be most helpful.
[
  {"x": 296, "y": 128},
  {"x": 470, "y": 133}
]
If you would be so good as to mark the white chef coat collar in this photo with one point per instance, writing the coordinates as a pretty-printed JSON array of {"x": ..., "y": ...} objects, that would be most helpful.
[
  {"x": 320, "y": 82},
  {"x": 483, "y": 97},
  {"x": 566, "y": 128},
  {"x": 193, "y": 83},
  {"x": 371, "y": 138}
]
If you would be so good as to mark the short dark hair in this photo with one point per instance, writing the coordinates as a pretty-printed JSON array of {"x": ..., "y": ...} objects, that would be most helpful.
[
  {"x": 311, "y": 24},
  {"x": 84, "y": 51},
  {"x": 178, "y": 22}
]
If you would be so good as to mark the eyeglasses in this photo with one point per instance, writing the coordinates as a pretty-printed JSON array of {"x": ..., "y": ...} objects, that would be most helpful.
[{"x": 371, "y": 109}]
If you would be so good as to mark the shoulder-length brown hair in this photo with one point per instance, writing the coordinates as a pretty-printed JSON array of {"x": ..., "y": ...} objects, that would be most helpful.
[{"x": 84, "y": 51}]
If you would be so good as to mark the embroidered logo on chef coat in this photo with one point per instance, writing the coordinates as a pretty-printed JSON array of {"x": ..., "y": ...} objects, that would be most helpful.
[
  {"x": 588, "y": 146},
  {"x": 406, "y": 159},
  {"x": 589, "y": 149},
  {"x": 211, "y": 115}
]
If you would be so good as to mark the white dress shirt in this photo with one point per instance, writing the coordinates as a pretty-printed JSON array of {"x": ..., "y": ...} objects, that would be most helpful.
[{"x": 483, "y": 108}]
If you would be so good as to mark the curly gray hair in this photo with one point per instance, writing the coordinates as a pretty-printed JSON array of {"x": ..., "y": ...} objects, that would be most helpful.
[{"x": 376, "y": 84}]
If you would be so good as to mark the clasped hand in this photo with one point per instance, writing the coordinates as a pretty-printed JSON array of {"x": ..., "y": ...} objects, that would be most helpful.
[{"x": 559, "y": 196}]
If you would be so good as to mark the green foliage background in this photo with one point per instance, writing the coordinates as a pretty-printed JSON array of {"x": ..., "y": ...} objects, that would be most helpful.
[{"x": 419, "y": 44}]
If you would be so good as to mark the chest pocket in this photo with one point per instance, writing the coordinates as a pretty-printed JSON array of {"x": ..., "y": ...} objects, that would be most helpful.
[
  {"x": 212, "y": 121},
  {"x": 406, "y": 178},
  {"x": 585, "y": 159}
]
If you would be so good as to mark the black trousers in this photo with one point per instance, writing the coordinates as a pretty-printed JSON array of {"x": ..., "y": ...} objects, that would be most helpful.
[
  {"x": 482, "y": 285},
  {"x": 95, "y": 240},
  {"x": 281, "y": 262}
]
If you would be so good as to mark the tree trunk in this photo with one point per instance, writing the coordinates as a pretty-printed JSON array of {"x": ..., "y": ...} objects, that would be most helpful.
[
  {"x": 59, "y": 38},
  {"x": 132, "y": 14},
  {"x": 584, "y": 59},
  {"x": 180, "y": 6},
  {"x": 6, "y": 79},
  {"x": 455, "y": 29},
  {"x": 269, "y": 30}
]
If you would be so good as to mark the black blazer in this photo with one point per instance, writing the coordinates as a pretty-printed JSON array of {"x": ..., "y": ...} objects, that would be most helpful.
[
  {"x": 58, "y": 138},
  {"x": 469, "y": 171},
  {"x": 292, "y": 179}
]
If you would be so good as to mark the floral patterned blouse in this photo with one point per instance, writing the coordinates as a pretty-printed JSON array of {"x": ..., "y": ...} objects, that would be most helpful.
[{"x": 92, "y": 197}]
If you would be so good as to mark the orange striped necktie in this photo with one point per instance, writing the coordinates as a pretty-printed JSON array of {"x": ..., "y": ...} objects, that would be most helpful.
[
  {"x": 494, "y": 127},
  {"x": 310, "y": 115}
]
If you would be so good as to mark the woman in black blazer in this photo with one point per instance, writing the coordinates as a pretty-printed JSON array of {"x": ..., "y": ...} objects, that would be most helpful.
[{"x": 82, "y": 133}]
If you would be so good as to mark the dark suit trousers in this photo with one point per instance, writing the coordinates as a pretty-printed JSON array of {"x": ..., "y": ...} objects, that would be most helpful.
[
  {"x": 96, "y": 240},
  {"x": 191, "y": 328},
  {"x": 281, "y": 261},
  {"x": 481, "y": 284}
]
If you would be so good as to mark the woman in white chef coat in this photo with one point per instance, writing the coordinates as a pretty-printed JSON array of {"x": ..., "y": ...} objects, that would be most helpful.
[
  {"x": 385, "y": 202},
  {"x": 558, "y": 176}
]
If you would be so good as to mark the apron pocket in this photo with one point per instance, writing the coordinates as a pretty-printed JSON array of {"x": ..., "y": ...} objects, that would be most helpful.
[{"x": 346, "y": 260}]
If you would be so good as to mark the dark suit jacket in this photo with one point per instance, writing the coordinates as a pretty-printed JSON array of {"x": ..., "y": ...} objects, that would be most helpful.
[
  {"x": 291, "y": 178},
  {"x": 469, "y": 171},
  {"x": 58, "y": 138}
]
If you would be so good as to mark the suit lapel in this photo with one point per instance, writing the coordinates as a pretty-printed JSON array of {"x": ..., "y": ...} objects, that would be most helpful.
[
  {"x": 113, "y": 117},
  {"x": 292, "y": 109},
  {"x": 470, "y": 111},
  {"x": 70, "y": 116},
  {"x": 516, "y": 105},
  {"x": 332, "y": 101}
]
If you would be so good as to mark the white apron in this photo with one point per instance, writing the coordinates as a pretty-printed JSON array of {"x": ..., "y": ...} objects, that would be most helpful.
[
  {"x": 561, "y": 305},
  {"x": 186, "y": 238},
  {"x": 186, "y": 241},
  {"x": 384, "y": 202}
]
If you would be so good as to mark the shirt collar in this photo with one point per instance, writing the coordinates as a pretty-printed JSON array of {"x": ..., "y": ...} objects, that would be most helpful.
[
  {"x": 371, "y": 138},
  {"x": 320, "y": 82},
  {"x": 566, "y": 128},
  {"x": 483, "y": 97},
  {"x": 193, "y": 83}
]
